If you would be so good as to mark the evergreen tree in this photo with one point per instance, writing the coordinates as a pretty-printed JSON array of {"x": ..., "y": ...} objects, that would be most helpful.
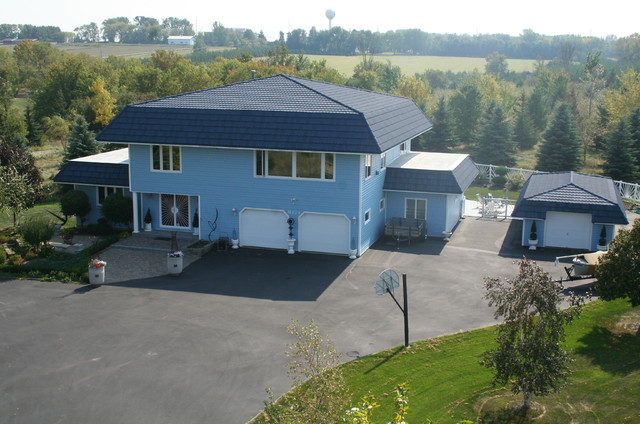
[
  {"x": 466, "y": 110},
  {"x": 560, "y": 149},
  {"x": 495, "y": 143},
  {"x": 619, "y": 161},
  {"x": 34, "y": 132},
  {"x": 82, "y": 141},
  {"x": 440, "y": 138},
  {"x": 524, "y": 133},
  {"x": 634, "y": 135}
]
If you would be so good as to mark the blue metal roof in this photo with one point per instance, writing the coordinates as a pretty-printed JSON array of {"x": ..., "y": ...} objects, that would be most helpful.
[
  {"x": 104, "y": 169},
  {"x": 571, "y": 192},
  {"x": 279, "y": 112},
  {"x": 427, "y": 175}
]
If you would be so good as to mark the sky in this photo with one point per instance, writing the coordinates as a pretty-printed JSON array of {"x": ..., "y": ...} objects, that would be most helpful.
[{"x": 549, "y": 17}]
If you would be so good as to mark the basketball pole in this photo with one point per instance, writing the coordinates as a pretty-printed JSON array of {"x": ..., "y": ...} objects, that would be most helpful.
[{"x": 405, "y": 310}]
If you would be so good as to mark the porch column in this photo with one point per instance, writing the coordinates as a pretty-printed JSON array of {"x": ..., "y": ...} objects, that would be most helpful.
[{"x": 136, "y": 224}]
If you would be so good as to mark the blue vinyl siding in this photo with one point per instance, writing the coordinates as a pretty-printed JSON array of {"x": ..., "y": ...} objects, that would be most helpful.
[
  {"x": 436, "y": 209},
  {"x": 96, "y": 211},
  {"x": 225, "y": 180}
]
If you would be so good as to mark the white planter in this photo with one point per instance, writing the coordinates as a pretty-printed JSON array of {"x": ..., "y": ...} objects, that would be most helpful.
[
  {"x": 96, "y": 275},
  {"x": 174, "y": 265},
  {"x": 533, "y": 244},
  {"x": 602, "y": 247},
  {"x": 196, "y": 231},
  {"x": 234, "y": 243},
  {"x": 291, "y": 242},
  {"x": 353, "y": 253},
  {"x": 147, "y": 227}
]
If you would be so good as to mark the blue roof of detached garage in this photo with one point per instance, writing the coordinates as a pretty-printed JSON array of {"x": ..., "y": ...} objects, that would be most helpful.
[
  {"x": 571, "y": 192},
  {"x": 431, "y": 173},
  {"x": 104, "y": 169},
  {"x": 279, "y": 112}
]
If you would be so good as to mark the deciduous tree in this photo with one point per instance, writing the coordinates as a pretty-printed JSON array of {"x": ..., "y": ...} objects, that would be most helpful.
[
  {"x": 529, "y": 355},
  {"x": 618, "y": 274}
]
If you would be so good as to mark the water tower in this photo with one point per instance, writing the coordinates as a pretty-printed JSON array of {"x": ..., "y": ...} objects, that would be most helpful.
[{"x": 330, "y": 14}]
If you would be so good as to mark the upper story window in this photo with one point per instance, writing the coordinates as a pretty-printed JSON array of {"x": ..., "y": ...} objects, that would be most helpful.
[
  {"x": 383, "y": 160},
  {"x": 103, "y": 192},
  {"x": 403, "y": 147},
  {"x": 303, "y": 165},
  {"x": 166, "y": 158},
  {"x": 368, "y": 159}
]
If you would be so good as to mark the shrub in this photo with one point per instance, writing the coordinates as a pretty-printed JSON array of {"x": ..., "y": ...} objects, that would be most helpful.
[
  {"x": 37, "y": 230},
  {"x": 16, "y": 260},
  {"x": 102, "y": 228},
  {"x": 502, "y": 171},
  {"x": 515, "y": 182},
  {"x": 46, "y": 251},
  {"x": 3, "y": 255},
  {"x": 118, "y": 209},
  {"x": 30, "y": 255},
  {"x": 75, "y": 202},
  {"x": 499, "y": 181}
]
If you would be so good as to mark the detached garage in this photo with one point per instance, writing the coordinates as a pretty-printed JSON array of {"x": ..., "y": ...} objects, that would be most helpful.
[{"x": 570, "y": 210}]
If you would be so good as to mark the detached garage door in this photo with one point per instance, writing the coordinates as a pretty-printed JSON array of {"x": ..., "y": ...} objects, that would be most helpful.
[
  {"x": 326, "y": 233},
  {"x": 264, "y": 228},
  {"x": 566, "y": 229}
]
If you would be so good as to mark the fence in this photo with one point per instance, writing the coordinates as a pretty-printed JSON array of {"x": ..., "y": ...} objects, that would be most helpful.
[{"x": 628, "y": 191}]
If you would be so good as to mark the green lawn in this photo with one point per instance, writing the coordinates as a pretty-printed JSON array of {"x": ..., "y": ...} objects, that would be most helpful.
[
  {"x": 447, "y": 384},
  {"x": 6, "y": 217},
  {"x": 418, "y": 64}
]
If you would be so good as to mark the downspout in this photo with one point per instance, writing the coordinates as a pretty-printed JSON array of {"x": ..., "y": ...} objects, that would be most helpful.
[{"x": 359, "y": 219}]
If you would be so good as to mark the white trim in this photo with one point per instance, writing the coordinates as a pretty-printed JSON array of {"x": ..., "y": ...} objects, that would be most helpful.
[
  {"x": 98, "y": 187},
  {"x": 136, "y": 224},
  {"x": 294, "y": 162},
  {"x": 422, "y": 192},
  {"x": 169, "y": 171},
  {"x": 368, "y": 158},
  {"x": 383, "y": 160},
  {"x": 177, "y": 227},
  {"x": 415, "y": 212},
  {"x": 360, "y": 188}
]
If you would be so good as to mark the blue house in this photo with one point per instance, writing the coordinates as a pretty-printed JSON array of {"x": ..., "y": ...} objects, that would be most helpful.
[
  {"x": 570, "y": 209},
  {"x": 281, "y": 162}
]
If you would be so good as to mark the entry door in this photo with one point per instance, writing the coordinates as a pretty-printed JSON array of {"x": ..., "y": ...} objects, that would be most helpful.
[{"x": 175, "y": 210}]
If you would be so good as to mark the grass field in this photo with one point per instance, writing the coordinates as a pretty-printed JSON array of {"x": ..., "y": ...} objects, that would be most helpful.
[
  {"x": 447, "y": 383},
  {"x": 413, "y": 64},
  {"x": 104, "y": 50}
]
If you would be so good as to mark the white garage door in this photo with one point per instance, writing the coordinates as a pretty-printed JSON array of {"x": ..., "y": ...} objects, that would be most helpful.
[
  {"x": 264, "y": 228},
  {"x": 566, "y": 229},
  {"x": 326, "y": 233}
]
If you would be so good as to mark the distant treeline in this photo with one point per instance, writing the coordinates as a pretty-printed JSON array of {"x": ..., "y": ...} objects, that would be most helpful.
[
  {"x": 528, "y": 45},
  {"x": 32, "y": 32}
]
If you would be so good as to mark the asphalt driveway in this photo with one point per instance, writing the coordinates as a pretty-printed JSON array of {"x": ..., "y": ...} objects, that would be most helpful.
[{"x": 203, "y": 347}]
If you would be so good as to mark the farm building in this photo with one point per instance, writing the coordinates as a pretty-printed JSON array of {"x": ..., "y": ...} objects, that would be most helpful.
[
  {"x": 570, "y": 210},
  {"x": 186, "y": 40}
]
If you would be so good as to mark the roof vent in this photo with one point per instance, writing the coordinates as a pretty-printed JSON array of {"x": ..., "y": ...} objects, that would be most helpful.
[{"x": 253, "y": 74}]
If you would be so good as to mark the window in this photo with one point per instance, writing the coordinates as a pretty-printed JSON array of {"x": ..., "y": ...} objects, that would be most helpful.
[
  {"x": 303, "y": 165},
  {"x": 166, "y": 158},
  {"x": 367, "y": 166},
  {"x": 415, "y": 208},
  {"x": 383, "y": 160},
  {"x": 367, "y": 216},
  {"x": 103, "y": 192},
  {"x": 403, "y": 147},
  {"x": 382, "y": 205}
]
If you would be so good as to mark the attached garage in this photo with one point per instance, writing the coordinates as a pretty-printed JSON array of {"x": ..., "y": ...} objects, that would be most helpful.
[
  {"x": 566, "y": 229},
  {"x": 264, "y": 228},
  {"x": 322, "y": 232},
  {"x": 571, "y": 210}
]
